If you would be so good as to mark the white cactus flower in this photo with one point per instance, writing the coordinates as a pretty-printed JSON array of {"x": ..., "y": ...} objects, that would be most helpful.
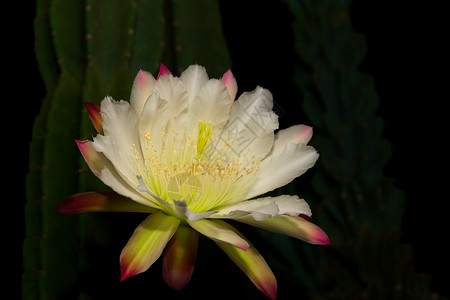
[{"x": 185, "y": 151}]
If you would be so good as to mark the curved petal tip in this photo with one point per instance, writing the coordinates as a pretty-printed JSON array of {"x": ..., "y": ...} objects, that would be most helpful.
[
  {"x": 319, "y": 237},
  {"x": 230, "y": 83},
  {"x": 95, "y": 116},
  {"x": 304, "y": 134},
  {"x": 163, "y": 70},
  {"x": 126, "y": 273}
]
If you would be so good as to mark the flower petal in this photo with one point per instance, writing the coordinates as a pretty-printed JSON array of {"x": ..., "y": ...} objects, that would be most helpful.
[
  {"x": 95, "y": 116},
  {"x": 104, "y": 170},
  {"x": 143, "y": 85},
  {"x": 171, "y": 90},
  {"x": 146, "y": 244},
  {"x": 292, "y": 205},
  {"x": 100, "y": 201},
  {"x": 294, "y": 134},
  {"x": 95, "y": 160},
  {"x": 120, "y": 143},
  {"x": 281, "y": 166},
  {"x": 251, "y": 125},
  {"x": 193, "y": 78},
  {"x": 163, "y": 70},
  {"x": 266, "y": 207},
  {"x": 179, "y": 258},
  {"x": 218, "y": 230},
  {"x": 253, "y": 265},
  {"x": 212, "y": 104},
  {"x": 296, "y": 227},
  {"x": 153, "y": 121},
  {"x": 231, "y": 84},
  {"x": 259, "y": 209}
]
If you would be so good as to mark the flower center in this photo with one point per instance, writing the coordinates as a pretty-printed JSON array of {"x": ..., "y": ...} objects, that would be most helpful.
[{"x": 196, "y": 167}]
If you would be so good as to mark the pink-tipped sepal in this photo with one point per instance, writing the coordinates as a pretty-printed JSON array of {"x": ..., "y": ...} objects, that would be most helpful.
[
  {"x": 94, "y": 159},
  {"x": 179, "y": 258},
  {"x": 147, "y": 244},
  {"x": 254, "y": 266},
  {"x": 163, "y": 70},
  {"x": 95, "y": 116},
  {"x": 220, "y": 231},
  {"x": 100, "y": 201},
  {"x": 297, "y": 227}
]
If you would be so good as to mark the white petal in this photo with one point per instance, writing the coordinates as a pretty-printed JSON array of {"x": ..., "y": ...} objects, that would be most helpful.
[
  {"x": 193, "y": 78},
  {"x": 251, "y": 124},
  {"x": 260, "y": 209},
  {"x": 143, "y": 85},
  {"x": 171, "y": 89},
  {"x": 266, "y": 207},
  {"x": 294, "y": 134},
  {"x": 105, "y": 171},
  {"x": 255, "y": 107},
  {"x": 292, "y": 206},
  {"x": 152, "y": 123},
  {"x": 110, "y": 177},
  {"x": 120, "y": 142},
  {"x": 212, "y": 104},
  {"x": 282, "y": 166}
]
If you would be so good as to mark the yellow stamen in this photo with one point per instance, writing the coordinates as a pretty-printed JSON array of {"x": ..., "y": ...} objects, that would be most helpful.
[
  {"x": 204, "y": 132},
  {"x": 184, "y": 168}
]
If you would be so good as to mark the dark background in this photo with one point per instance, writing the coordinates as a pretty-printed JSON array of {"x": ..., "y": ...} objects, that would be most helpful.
[{"x": 405, "y": 57}]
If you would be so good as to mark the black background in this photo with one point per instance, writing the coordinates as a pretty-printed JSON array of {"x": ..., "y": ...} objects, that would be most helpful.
[{"x": 405, "y": 55}]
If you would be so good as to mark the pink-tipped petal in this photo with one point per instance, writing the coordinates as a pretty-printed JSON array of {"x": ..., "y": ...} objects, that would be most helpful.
[
  {"x": 94, "y": 159},
  {"x": 179, "y": 258},
  {"x": 297, "y": 134},
  {"x": 304, "y": 134},
  {"x": 105, "y": 171},
  {"x": 254, "y": 266},
  {"x": 95, "y": 116},
  {"x": 146, "y": 244},
  {"x": 100, "y": 201},
  {"x": 296, "y": 227},
  {"x": 143, "y": 85},
  {"x": 231, "y": 84},
  {"x": 163, "y": 70},
  {"x": 220, "y": 231}
]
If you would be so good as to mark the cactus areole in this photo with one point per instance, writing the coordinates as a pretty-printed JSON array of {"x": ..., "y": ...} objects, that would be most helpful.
[{"x": 184, "y": 151}]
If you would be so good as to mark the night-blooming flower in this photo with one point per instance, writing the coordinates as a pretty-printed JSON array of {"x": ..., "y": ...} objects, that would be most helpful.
[{"x": 185, "y": 152}]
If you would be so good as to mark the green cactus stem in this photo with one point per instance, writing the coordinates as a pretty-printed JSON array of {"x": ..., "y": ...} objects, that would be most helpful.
[{"x": 85, "y": 51}]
